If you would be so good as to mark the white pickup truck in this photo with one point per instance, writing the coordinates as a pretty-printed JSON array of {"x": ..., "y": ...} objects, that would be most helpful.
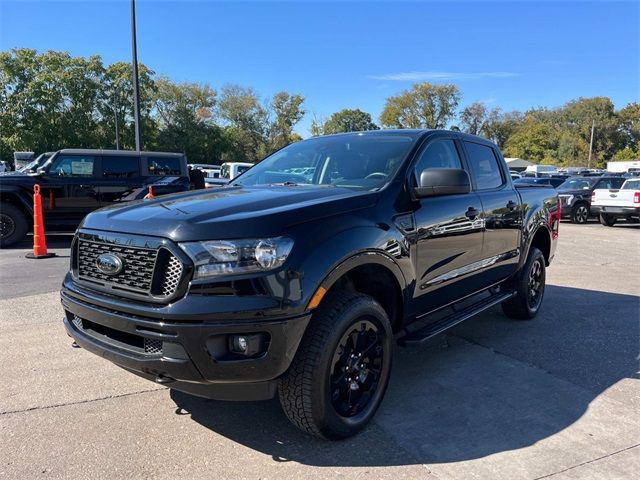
[{"x": 613, "y": 204}]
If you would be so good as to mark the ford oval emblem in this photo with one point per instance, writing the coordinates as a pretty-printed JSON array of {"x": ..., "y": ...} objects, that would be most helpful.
[{"x": 109, "y": 264}]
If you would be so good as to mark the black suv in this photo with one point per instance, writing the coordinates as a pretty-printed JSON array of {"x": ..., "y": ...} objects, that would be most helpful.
[
  {"x": 575, "y": 195},
  {"x": 297, "y": 278},
  {"x": 75, "y": 182}
]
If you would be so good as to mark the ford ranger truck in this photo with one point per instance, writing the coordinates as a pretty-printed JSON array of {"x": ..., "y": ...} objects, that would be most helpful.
[{"x": 298, "y": 279}]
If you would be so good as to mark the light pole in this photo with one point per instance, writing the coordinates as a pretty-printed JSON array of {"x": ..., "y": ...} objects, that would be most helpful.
[
  {"x": 593, "y": 126},
  {"x": 115, "y": 116},
  {"x": 136, "y": 89}
]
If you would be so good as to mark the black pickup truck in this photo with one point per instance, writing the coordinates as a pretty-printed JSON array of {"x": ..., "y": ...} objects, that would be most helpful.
[
  {"x": 300, "y": 284},
  {"x": 75, "y": 182}
]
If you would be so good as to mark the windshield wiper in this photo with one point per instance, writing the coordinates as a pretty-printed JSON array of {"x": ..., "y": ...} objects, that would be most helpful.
[{"x": 285, "y": 184}]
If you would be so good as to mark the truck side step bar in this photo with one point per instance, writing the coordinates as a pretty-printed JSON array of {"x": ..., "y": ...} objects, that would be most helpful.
[{"x": 418, "y": 337}]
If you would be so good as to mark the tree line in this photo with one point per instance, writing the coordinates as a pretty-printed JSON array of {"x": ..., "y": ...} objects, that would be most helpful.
[{"x": 53, "y": 100}]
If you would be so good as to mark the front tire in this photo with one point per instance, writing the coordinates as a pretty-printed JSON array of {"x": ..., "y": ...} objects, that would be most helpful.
[
  {"x": 13, "y": 225},
  {"x": 529, "y": 288},
  {"x": 607, "y": 220},
  {"x": 339, "y": 375},
  {"x": 580, "y": 213}
]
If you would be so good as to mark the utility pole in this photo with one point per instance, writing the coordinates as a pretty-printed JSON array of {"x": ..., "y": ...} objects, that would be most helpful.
[
  {"x": 593, "y": 126},
  {"x": 136, "y": 89},
  {"x": 115, "y": 116}
]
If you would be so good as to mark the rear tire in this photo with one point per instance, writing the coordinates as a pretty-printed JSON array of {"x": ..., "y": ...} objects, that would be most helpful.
[
  {"x": 580, "y": 213},
  {"x": 607, "y": 220},
  {"x": 13, "y": 225},
  {"x": 340, "y": 373},
  {"x": 529, "y": 288}
]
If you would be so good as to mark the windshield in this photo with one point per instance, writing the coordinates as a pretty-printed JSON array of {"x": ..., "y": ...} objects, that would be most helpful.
[
  {"x": 359, "y": 162},
  {"x": 631, "y": 185},
  {"x": 38, "y": 162},
  {"x": 580, "y": 183}
]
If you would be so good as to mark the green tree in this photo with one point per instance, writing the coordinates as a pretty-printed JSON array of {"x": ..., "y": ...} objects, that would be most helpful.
[
  {"x": 348, "y": 120},
  {"x": 532, "y": 141},
  {"x": 286, "y": 111},
  {"x": 49, "y": 100},
  {"x": 116, "y": 101},
  {"x": 185, "y": 116},
  {"x": 500, "y": 126},
  {"x": 629, "y": 125},
  {"x": 425, "y": 105},
  {"x": 477, "y": 118},
  {"x": 246, "y": 122}
]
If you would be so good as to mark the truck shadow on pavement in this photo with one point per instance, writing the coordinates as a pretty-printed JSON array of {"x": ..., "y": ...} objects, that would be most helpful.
[{"x": 498, "y": 385}]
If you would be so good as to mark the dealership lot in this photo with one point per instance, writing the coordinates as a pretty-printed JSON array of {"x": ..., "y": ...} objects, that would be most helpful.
[{"x": 556, "y": 397}]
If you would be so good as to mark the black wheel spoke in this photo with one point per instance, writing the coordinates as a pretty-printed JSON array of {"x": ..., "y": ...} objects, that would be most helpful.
[{"x": 356, "y": 368}]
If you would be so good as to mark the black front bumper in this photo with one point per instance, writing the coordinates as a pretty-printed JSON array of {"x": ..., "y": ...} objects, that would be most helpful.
[{"x": 186, "y": 355}]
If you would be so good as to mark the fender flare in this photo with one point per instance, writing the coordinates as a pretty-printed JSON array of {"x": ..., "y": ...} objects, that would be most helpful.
[
  {"x": 529, "y": 241},
  {"x": 18, "y": 194},
  {"x": 366, "y": 257}
]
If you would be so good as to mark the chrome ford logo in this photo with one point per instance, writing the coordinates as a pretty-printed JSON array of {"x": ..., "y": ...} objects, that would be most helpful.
[{"x": 109, "y": 264}]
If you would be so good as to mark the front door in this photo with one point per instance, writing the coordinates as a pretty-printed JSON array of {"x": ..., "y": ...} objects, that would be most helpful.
[
  {"x": 69, "y": 189},
  {"x": 449, "y": 234}
]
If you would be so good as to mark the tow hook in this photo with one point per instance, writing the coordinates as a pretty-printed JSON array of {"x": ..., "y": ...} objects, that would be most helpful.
[
  {"x": 75, "y": 345},
  {"x": 162, "y": 379}
]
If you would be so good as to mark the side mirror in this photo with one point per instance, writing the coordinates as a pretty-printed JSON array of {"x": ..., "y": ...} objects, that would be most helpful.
[{"x": 442, "y": 181}]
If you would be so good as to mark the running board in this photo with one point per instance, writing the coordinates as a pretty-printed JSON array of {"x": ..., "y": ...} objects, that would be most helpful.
[{"x": 420, "y": 336}]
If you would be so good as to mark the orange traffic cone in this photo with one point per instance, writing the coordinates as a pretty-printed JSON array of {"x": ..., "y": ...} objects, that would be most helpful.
[
  {"x": 150, "y": 194},
  {"x": 39, "y": 242}
]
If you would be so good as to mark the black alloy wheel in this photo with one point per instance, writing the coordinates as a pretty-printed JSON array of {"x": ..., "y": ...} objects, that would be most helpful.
[
  {"x": 340, "y": 372},
  {"x": 536, "y": 285},
  {"x": 357, "y": 367},
  {"x": 7, "y": 226}
]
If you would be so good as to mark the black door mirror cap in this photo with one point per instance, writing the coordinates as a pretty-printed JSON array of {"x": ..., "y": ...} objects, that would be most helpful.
[{"x": 442, "y": 181}]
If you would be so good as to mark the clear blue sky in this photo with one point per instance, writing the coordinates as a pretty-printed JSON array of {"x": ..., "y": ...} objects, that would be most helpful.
[{"x": 515, "y": 55}]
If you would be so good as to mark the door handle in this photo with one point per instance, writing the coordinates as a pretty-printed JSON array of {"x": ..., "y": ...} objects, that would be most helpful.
[
  {"x": 471, "y": 213},
  {"x": 511, "y": 205}
]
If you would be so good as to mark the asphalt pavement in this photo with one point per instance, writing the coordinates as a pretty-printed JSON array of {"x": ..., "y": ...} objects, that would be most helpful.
[{"x": 557, "y": 397}]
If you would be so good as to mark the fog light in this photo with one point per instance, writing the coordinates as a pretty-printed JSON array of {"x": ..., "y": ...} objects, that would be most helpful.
[
  {"x": 248, "y": 344},
  {"x": 239, "y": 344}
]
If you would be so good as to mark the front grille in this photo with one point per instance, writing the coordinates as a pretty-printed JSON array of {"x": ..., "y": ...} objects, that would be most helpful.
[
  {"x": 152, "y": 346},
  {"x": 172, "y": 276},
  {"x": 153, "y": 273},
  {"x": 138, "y": 264}
]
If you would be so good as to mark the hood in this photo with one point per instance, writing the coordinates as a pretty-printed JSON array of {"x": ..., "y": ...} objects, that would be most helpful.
[
  {"x": 10, "y": 178},
  {"x": 227, "y": 213}
]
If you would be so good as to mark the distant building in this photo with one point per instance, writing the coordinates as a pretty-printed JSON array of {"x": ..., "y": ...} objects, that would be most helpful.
[{"x": 622, "y": 166}]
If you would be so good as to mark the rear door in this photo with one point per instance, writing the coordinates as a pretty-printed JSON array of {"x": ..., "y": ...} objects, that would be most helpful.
[
  {"x": 449, "y": 233},
  {"x": 120, "y": 178},
  {"x": 502, "y": 212}
]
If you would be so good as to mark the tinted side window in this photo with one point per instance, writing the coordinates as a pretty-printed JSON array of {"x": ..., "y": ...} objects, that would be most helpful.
[
  {"x": 120, "y": 167},
  {"x": 73, "y": 166},
  {"x": 484, "y": 164},
  {"x": 164, "y": 166},
  {"x": 438, "y": 154}
]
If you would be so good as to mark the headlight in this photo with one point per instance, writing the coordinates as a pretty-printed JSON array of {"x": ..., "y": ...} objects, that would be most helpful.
[
  {"x": 569, "y": 199},
  {"x": 214, "y": 258}
]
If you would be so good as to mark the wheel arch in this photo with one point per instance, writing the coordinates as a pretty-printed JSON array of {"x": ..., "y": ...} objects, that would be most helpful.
[
  {"x": 375, "y": 274},
  {"x": 541, "y": 239}
]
